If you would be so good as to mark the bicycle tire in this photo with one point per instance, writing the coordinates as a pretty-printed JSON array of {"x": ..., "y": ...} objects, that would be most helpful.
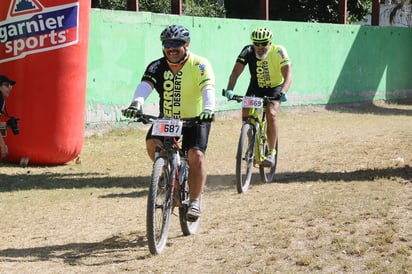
[
  {"x": 244, "y": 158},
  {"x": 159, "y": 206},
  {"x": 267, "y": 174},
  {"x": 188, "y": 228}
]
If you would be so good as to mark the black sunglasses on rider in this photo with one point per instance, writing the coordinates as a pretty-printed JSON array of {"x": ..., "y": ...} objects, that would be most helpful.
[
  {"x": 261, "y": 44},
  {"x": 173, "y": 44}
]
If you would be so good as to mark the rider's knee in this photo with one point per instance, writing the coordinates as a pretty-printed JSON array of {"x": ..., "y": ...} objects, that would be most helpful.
[{"x": 196, "y": 157}]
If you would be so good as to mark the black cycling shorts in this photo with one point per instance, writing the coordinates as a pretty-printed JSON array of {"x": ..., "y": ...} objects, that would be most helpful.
[
  {"x": 268, "y": 92},
  {"x": 196, "y": 137}
]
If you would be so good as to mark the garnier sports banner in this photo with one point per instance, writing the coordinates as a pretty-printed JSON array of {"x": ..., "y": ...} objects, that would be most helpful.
[{"x": 43, "y": 46}]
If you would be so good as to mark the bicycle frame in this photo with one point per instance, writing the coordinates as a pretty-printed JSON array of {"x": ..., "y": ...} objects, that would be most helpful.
[
  {"x": 170, "y": 149},
  {"x": 252, "y": 148},
  {"x": 256, "y": 118},
  {"x": 179, "y": 169}
]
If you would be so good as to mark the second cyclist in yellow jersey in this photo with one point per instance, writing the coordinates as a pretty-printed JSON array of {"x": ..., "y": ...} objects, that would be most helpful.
[
  {"x": 270, "y": 75},
  {"x": 265, "y": 73}
]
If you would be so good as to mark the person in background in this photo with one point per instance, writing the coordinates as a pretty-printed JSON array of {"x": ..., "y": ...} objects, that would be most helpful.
[
  {"x": 6, "y": 86},
  {"x": 270, "y": 75},
  {"x": 185, "y": 83}
]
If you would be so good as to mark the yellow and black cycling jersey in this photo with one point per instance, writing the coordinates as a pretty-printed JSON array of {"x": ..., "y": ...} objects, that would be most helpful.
[
  {"x": 264, "y": 73},
  {"x": 181, "y": 93}
]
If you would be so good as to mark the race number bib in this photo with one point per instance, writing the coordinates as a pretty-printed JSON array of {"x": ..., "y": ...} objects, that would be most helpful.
[
  {"x": 252, "y": 102},
  {"x": 167, "y": 127}
]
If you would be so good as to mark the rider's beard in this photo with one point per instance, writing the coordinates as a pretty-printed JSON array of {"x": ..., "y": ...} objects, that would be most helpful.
[{"x": 262, "y": 56}]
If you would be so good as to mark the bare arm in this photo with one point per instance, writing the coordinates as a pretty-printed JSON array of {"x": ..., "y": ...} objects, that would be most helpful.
[
  {"x": 237, "y": 70},
  {"x": 287, "y": 75}
]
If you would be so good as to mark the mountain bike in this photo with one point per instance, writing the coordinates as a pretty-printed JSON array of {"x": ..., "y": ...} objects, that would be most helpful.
[
  {"x": 252, "y": 146},
  {"x": 169, "y": 186}
]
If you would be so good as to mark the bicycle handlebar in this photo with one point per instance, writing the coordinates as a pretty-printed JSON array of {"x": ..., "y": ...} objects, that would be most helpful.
[
  {"x": 239, "y": 98},
  {"x": 148, "y": 119}
]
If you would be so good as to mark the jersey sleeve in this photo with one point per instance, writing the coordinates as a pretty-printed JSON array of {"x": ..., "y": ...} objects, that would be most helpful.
[
  {"x": 284, "y": 56},
  {"x": 206, "y": 73},
  {"x": 243, "y": 57},
  {"x": 150, "y": 72}
]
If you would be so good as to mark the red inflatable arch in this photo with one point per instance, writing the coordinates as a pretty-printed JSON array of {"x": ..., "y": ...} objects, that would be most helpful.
[{"x": 44, "y": 47}]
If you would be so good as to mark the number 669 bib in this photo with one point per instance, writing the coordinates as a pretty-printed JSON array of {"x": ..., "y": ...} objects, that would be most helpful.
[{"x": 252, "y": 102}]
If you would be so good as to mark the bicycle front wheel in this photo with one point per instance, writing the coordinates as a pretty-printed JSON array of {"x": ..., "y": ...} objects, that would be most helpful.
[
  {"x": 159, "y": 206},
  {"x": 244, "y": 158},
  {"x": 267, "y": 174}
]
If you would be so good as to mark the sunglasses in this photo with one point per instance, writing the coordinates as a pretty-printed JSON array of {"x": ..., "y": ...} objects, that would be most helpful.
[
  {"x": 261, "y": 44},
  {"x": 173, "y": 44}
]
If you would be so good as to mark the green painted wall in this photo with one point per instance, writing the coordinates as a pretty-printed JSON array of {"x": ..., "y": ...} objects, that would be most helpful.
[{"x": 331, "y": 63}]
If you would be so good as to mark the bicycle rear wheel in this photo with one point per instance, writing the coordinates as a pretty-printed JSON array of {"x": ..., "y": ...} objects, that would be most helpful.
[
  {"x": 244, "y": 158},
  {"x": 159, "y": 206},
  {"x": 267, "y": 174}
]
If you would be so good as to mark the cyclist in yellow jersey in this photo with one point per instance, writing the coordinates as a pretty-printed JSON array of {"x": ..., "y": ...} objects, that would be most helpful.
[
  {"x": 270, "y": 75},
  {"x": 185, "y": 83}
]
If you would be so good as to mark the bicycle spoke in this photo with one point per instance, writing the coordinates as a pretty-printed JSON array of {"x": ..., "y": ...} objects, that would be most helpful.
[{"x": 244, "y": 158}]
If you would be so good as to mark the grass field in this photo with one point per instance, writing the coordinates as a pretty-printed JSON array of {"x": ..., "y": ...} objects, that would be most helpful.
[{"x": 341, "y": 203}]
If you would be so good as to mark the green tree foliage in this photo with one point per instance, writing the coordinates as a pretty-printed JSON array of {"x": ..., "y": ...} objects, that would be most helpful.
[
  {"x": 110, "y": 4},
  {"x": 358, "y": 9},
  {"x": 323, "y": 11},
  {"x": 204, "y": 8},
  {"x": 159, "y": 6}
]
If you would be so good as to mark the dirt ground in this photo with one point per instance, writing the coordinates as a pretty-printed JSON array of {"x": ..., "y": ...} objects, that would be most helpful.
[{"x": 341, "y": 203}]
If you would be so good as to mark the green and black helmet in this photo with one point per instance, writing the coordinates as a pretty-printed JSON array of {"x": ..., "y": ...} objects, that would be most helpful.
[{"x": 261, "y": 35}]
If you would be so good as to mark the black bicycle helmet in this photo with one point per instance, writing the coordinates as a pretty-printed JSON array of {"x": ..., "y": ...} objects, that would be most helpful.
[{"x": 175, "y": 32}]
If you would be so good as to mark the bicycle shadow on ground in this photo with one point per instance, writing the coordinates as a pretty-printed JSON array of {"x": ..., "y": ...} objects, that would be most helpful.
[
  {"x": 369, "y": 107},
  {"x": 116, "y": 247},
  {"x": 403, "y": 173},
  {"x": 219, "y": 182},
  {"x": 50, "y": 181}
]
